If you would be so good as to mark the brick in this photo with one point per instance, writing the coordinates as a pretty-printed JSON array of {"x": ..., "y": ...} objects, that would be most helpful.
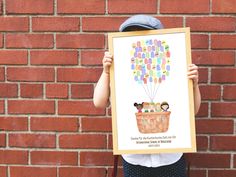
[
  {"x": 234, "y": 161},
  {"x": 203, "y": 111},
  {"x": 184, "y": 7},
  {"x": 223, "y": 109},
  {"x": 31, "y": 107},
  {"x": 171, "y": 22},
  {"x": 80, "y": 7},
  {"x": 82, "y": 91},
  {"x": 57, "y": 91},
  {"x": 27, "y": 171},
  {"x": 203, "y": 75},
  {"x": 65, "y": 124},
  {"x": 13, "y": 157},
  {"x": 78, "y": 74},
  {"x": 223, "y": 143},
  {"x": 209, "y": 160},
  {"x": 8, "y": 90},
  {"x": 82, "y": 172},
  {"x": 213, "y": 57},
  {"x": 119, "y": 172},
  {"x": 29, "y": 74},
  {"x": 54, "y": 158},
  {"x": 229, "y": 92},
  {"x": 31, "y": 90},
  {"x": 217, "y": 24},
  {"x": 3, "y": 171},
  {"x": 10, "y": 24},
  {"x": 56, "y": 24},
  {"x": 223, "y": 172},
  {"x": 223, "y": 6},
  {"x": 31, "y": 41},
  {"x": 224, "y": 41},
  {"x": 1, "y": 7},
  {"x": 13, "y": 57},
  {"x": 83, "y": 41},
  {"x": 95, "y": 158},
  {"x": 113, "y": 23},
  {"x": 78, "y": 107},
  {"x": 223, "y": 75},
  {"x": 32, "y": 140},
  {"x": 202, "y": 143},
  {"x": 29, "y": 6},
  {"x": 2, "y": 106},
  {"x": 132, "y": 6},
  {"x": 89, "y": 124},
  {"x": 83, "y": 141},
  {"x": 213, "y": 126},
  {"x": 199, "y": 41},
  {"x": 54, "y": 57},
  {"x": 2, "y": 142},
  {"x": 110, "y": 142},
  {"x": 210, "y": 92},
  {"x": 102, "y": 23},
  {"x": 91, "y": 58},
  {"x": 1, "y": 40},
  {"x": 14, "y": 123},
  {"x": 2, "y": 74},
  {"x": 197, "y": 173}
]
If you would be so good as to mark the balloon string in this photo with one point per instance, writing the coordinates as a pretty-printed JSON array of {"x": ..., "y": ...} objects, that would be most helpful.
[
  {"x": 158, "y": 85},
  {"x": 151, "y": 95},
  {"x": 153, "y": 91},
  {"x": 146, "y": 90}
]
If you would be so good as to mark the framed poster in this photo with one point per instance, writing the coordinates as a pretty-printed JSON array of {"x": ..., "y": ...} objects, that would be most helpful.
[{"x": 151, "y": 96}]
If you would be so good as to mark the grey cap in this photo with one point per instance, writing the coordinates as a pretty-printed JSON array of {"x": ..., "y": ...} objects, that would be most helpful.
[{"x": 145, "y": 21}]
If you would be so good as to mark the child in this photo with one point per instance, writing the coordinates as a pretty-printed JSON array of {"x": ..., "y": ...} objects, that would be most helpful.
[{"x": 145, "y": 165}]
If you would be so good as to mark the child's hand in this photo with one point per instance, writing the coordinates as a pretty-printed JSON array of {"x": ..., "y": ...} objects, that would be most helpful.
[
  {"x": 107, "y": 61},
  {"x": 193, "y": 74}
]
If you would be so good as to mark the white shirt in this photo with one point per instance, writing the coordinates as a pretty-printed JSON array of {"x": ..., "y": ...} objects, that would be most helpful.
[{"x": 152, "y": 160}]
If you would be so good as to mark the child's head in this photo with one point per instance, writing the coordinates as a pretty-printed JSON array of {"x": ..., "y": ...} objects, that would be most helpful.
[{"x": 140, "y": 22}]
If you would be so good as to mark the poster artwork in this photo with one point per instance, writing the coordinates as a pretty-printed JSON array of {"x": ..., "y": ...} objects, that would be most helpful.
[
  {"x": 151, "y": 96},
  {"x": 150, "y": 63}
]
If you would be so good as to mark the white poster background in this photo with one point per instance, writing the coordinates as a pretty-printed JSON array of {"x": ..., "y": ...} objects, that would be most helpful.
[{"x": 173, "y": 90}]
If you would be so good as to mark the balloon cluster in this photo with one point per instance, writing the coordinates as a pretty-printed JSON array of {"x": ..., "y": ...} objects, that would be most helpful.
[{"x": 150, "y": 61}]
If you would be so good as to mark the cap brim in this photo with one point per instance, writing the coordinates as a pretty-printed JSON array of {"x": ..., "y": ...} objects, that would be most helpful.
[{"x": 123, "y": 28}]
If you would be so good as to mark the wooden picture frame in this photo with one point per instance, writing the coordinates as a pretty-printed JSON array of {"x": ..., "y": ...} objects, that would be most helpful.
[{"x": 151, "y": 96}]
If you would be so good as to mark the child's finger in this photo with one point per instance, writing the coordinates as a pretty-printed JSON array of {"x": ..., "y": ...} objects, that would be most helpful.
[
  {"x": 192, "y": 67},
  {"x": 108, "y": 55},
  {"x": 193, "y": 72}
]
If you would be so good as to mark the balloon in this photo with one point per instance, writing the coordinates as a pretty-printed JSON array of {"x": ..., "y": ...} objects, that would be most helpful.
[
  {"x": 145, "y": 80},
  {"x": 150, "y": 79},
  {"x": 132, "y": 66},
  {"x": 168, "y": 67},
  {"x": 150, "y": 63},
  {"x": 138, "y": 44}
]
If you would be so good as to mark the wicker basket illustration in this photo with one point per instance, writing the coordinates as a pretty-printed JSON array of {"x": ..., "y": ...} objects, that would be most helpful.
[{"x": 153, "y": 122}]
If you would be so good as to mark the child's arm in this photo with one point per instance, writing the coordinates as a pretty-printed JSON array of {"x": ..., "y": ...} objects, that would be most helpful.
[
  {"x": 193, "y": 74},
  {"x": 102, "y": 89}
]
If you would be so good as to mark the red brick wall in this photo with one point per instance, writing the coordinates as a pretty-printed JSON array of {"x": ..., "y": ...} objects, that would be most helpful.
[{"x": 50, "y": 60}]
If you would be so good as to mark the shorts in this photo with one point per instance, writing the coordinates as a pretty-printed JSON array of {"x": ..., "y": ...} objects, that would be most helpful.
[{"x": 177, "y": 169}]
